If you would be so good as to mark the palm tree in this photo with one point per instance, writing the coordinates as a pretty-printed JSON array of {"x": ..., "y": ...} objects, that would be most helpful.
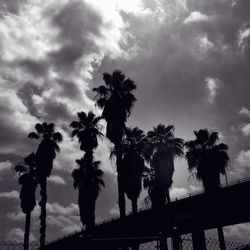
[
  {"x": 163, "y": 148},
  {"x": 45, "y": 156},
  {"x": 27, "y": 196},
  {"x": 87, "y": 131},
  {"x": 88, "y": 180},
  {"x": 133, "y": 146},
  {"x": 117, "y": 99},
  {"x": 208, "y": 159}
]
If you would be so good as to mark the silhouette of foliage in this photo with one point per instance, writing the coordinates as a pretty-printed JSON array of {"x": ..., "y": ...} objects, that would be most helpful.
[
  {"x": 27, "y": 180},
  {"x": 88, "y": 180},
  {"x": 133, "y": 145},
  {"x": 87, "y": 130},
  {"x": 45, "y": 156},
  {"x": 116, "y": 99},
  {"x": 87, "y": 177},
  {"x": 207, "y": 158},
  {"x": 162, "y": 148}
]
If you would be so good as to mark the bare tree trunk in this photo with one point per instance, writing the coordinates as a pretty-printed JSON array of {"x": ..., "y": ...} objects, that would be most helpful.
[
  {"x": 27, "y": 232},
  {"x": 121, "y": 193},
  {"x": 42, "y": 217}
]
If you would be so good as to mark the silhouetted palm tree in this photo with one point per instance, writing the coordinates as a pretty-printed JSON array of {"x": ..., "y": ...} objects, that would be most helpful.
[
  {"x": 208, "y": 159},
  {"x": 116, "y": 99},
  {"x": 163, "y": 147},
  {"x": 45, "y": 156},
  {"x": 88, "y": 180},
  {"x": 87, "y": 131},
  {"x": 133, "y": 145},
  {"x": 28, "y": 183}
]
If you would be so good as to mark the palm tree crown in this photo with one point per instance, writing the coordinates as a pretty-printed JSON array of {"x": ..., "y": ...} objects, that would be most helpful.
[
  {"x": 87, "y": 130},
  {"x": 162, "y": 149},
  {"x": 47, "y": 148},
  {"x": 207, "y": 157},
  {"x": 27, "y": 180},
  {"x": 116, "y": 99}
]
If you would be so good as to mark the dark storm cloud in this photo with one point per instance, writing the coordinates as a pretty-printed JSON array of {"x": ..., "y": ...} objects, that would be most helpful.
[
  {"x": 11, "y": 5},
  {"x": 78, "y": 23},
  {"x": 35, "y": 67},
  {"x": 56, "y": 111},
  {"x": 69, "y": 89}
]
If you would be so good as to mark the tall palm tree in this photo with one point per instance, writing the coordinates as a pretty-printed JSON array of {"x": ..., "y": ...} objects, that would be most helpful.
[
  {"x": 27, "y": 180},
  {"x": 117, "y": 99},
  {"x": 87, "y": 130},
  {"x": 209, "y": 159},
  {"x": 45, "y": 156},
  {"x": 88, "y": 180},
  {"x": 163, "y": 148},
  {"x": 133, "y": 145}
]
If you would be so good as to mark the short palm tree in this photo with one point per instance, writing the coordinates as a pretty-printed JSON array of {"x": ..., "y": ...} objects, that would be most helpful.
[
  {"x": 87, "y": 129},
  {"x": 116, "y": 99},
  {"x": 88, "y": 180},
  {"x": 208, "y": 159},
  {"x": 28, "y": 183},
  {"x": 133, "y": 145},
  {"x": 163, "y": 148},
  {"x": 45, "y": 156}
]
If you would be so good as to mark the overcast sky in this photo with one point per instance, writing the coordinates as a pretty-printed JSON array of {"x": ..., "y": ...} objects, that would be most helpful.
[{"x": 190, "y": 61}]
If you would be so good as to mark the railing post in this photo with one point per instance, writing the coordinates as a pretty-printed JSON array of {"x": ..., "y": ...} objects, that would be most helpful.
[
  {"x": 163, "y": 241},
  {"x": 176, "y": 239},
  {"x": 199, "y": 240}
]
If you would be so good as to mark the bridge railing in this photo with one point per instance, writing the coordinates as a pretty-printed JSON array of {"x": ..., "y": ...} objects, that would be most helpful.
[{"x": 176, "y": 198}]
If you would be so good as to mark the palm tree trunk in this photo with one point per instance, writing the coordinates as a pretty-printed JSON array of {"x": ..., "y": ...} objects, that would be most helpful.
[
  {"x": 27, "y": 232},
  {"x": 134, "y": 206},
  {"x": 221, "y": 238},
  {"x": 43, "y": 192},
  {"x": 121, "y": 193}
]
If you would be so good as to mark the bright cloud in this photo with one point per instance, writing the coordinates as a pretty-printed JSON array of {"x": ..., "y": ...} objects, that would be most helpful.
[
  {"x": 246, "y": 129},
  {"x": 10, "y": 195},
  {"x": 196, "y": 16},
  {"x": 17, "y": 234},
  {"x": 243, "y": 159},
  {"x": 5, "y": 167},
  {"x": 56, "y": 179},
  {"x": 243, "y": 36},
  {"x": 212, "y": 85},
  {"x": 244, "y": 111},
  {"x": 175, "y": 192}
]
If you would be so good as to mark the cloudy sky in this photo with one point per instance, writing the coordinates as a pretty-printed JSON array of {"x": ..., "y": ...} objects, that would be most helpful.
[{"x": 190, "y": 61}]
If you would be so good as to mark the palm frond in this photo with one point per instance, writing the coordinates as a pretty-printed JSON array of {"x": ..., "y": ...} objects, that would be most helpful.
[
  {"x": 129, "y": 85},
  {"x": 39, "y": 128},
  {"x": 33, "y": 135},
  {"x": 57, "y": 137},
  {"x": 107, "y": 78},
  {"x": 75, "y": 125}
]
